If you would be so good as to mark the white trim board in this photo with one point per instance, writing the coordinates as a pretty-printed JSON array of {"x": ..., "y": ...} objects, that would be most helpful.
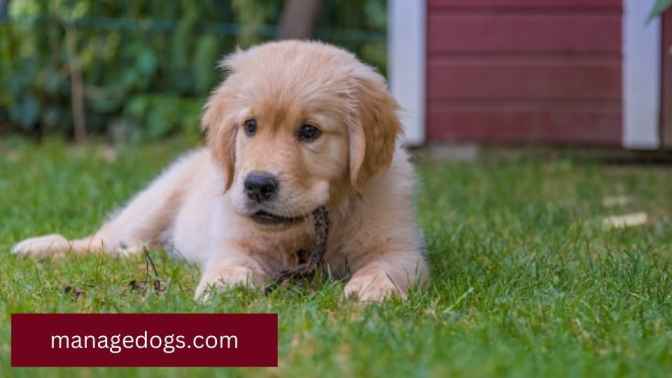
[
  {"x": 406, "y": 57},
  {"x": 641, "y": 76}
]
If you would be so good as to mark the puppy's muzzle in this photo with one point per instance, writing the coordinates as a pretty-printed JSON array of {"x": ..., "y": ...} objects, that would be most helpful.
[{"x": 261, "y": 186}]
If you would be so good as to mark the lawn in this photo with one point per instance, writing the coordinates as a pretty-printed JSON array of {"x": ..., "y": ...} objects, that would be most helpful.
[{"x": 526, "y": 281}]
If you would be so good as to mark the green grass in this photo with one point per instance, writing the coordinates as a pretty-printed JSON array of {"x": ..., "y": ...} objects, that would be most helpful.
[{"x": 525, "y": 281}]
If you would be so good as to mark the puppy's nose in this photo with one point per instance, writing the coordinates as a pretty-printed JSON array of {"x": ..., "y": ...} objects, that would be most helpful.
[{"x": 261, "y": 186}]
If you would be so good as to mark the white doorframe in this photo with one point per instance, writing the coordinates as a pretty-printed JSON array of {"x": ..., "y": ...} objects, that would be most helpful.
[
  {"x": 641, "y": 76},
  {"x": 406, "y": 62}
]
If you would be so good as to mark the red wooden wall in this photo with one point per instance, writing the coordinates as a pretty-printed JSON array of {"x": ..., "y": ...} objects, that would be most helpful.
[
  {"x": 524, "y": 71},
  {"x": 666, "y": 80}
]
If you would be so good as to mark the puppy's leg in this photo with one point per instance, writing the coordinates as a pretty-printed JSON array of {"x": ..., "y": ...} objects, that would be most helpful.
[
  {"x": 387, "y": 275},
  {"x": 236, "y": 269},
  {"x": 57, "y": 245},
  {"x": 385, "y": 247},
  {"x": 388, "y": 267},
  {"x": 233, "y": 267},
  {"x": 136, "y": 226}
]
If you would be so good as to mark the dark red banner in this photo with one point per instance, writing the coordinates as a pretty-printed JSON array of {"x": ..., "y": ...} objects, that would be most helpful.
[{"x": 145, "y": 340}]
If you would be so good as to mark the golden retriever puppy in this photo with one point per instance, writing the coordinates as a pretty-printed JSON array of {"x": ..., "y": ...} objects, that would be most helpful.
[{"x": 295, "y": 126}]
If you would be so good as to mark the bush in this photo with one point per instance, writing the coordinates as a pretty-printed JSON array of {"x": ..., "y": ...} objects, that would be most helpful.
[{"x": 142, "y": 69}]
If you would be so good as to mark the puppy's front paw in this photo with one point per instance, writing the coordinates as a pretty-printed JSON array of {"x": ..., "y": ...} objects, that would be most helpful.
[
  {"x": 372, "y": 286},
  {"x": 226, "y": 278},
  {"x": 42, "y": 246}
]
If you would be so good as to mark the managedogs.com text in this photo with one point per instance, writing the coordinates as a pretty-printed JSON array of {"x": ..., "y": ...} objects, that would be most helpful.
[{"x": 168, "y": 344}]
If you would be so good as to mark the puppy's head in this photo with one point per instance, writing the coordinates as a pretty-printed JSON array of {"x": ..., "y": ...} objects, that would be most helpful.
[{"x": 298, "y": 125}]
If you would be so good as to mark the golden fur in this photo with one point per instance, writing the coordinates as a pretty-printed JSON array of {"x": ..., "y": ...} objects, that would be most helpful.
[{"x": 356, "y": 168}]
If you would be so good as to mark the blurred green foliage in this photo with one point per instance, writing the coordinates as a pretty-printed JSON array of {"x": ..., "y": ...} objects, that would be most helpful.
[
  {"x": 146, "y": 65},
  {"x": 659, "y": 7}
]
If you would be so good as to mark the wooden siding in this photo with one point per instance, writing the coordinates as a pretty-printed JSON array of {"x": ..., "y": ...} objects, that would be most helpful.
[
  {"x": 525, "y": 71},
  {"x": 666, "y": 81}
]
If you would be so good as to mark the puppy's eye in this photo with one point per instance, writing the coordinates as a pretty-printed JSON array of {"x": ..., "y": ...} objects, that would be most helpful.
[
  {"x": 308, "y": 133},
  {"x": 250, "y": 127}
]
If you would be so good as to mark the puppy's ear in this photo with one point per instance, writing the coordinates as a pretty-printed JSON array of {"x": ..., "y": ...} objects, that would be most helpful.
[
  {"x": 374, "y": 131},
  {"x": 220, "y": 127},
  {"x": 219, "y": 120}
]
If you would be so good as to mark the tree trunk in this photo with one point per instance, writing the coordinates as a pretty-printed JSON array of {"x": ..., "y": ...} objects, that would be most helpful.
[
  {"x": 4, "y": 9},
  {"x": 298, "y": 19},
  {"x": 76, "y": 87}
]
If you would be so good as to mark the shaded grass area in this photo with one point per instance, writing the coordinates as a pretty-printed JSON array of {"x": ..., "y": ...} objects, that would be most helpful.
[{"x": 526, "y": 281}]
